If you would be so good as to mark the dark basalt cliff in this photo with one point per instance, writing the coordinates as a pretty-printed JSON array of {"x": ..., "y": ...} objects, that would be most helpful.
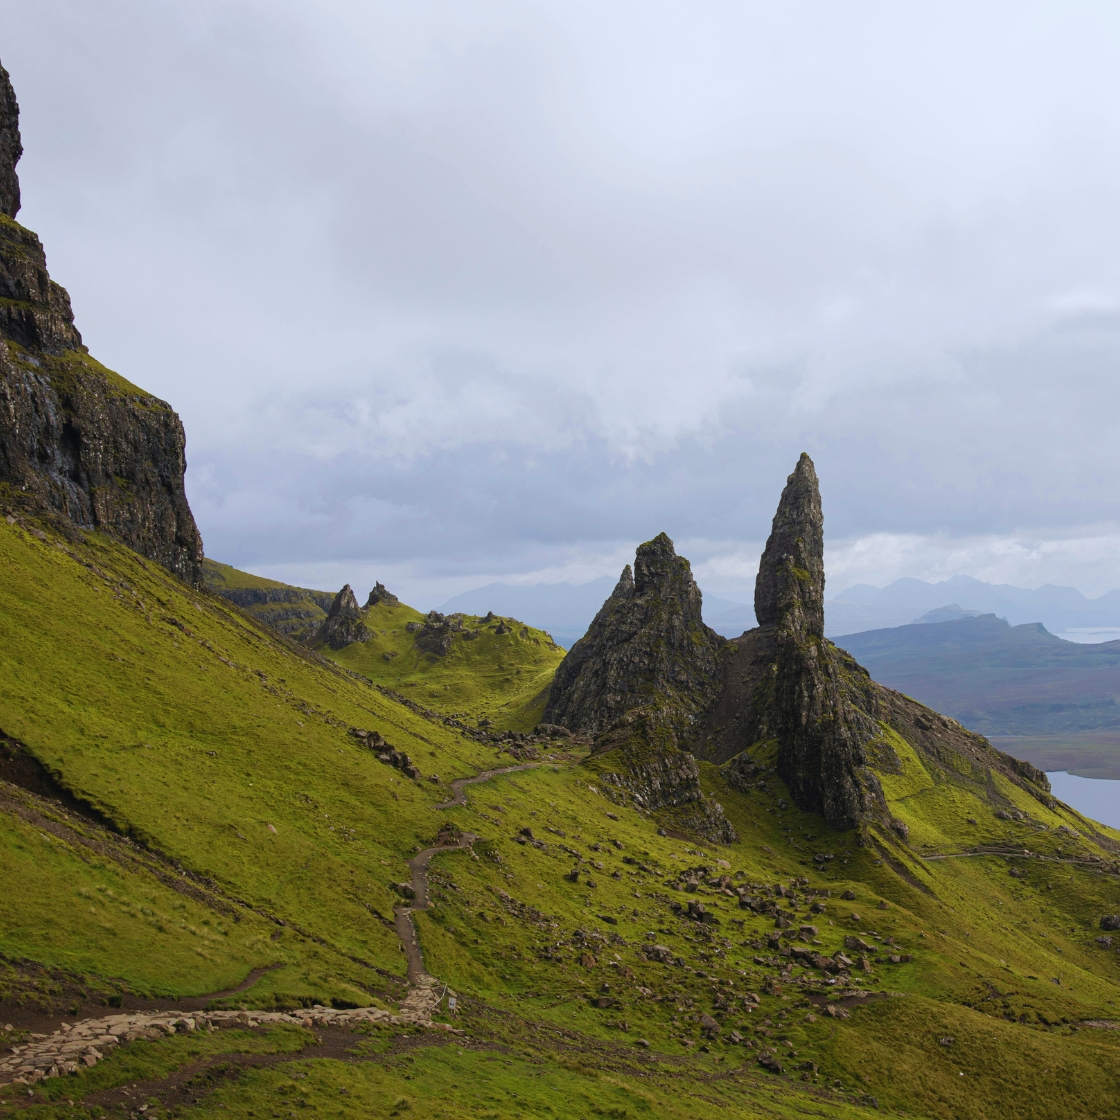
[
  {"x": 75, "y": 438},
  {"x": 648, "y": 647}
]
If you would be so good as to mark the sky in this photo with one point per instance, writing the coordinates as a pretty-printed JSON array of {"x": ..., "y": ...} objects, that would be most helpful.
[{"x": 449, "y": 293}]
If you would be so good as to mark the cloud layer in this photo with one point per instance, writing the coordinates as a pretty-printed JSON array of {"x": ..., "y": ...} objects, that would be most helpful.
[{"x": 468, "y": 291}]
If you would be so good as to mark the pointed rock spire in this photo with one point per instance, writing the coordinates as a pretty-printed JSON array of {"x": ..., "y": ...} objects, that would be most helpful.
[
  {"x": 647, "y": 647},
  {"x": 11, "y": 147},
  {"x": 821, "y": 720},
  {"x": 380, "y": 595},
  {"x": 790, "y": 583},
  {"x": 343, "y": 623}
]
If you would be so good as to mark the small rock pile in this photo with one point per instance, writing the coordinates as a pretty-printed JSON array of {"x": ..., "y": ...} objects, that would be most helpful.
[{"x": 82, "y": 1045}]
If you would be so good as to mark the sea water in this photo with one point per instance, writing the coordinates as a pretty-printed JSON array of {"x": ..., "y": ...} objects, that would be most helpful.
[{"x": 1098, "y": 798}]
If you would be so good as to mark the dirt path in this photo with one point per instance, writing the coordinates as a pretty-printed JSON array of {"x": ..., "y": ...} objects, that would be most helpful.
[
  {"x": 421, "y": 982},
  {"x": 425, "y": 992},
  {"x": 458, "y": 784}
]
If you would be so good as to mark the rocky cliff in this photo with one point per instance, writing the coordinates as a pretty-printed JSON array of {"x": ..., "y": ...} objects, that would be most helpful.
[
  {"x": 642, "y": 677},
  {"x": 75, "y": 438},
  {"x": 647, "y": 647}
]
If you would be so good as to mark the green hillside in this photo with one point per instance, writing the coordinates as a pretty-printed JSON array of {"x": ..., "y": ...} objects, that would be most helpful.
[
  {"x": 295, "y": 611},
  {"x": 490, "y": 670},
  {"x": 223, "y": 751}
]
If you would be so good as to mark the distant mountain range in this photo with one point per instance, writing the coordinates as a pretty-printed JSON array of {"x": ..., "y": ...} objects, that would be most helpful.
[
  {"x": 565, "y": 610},
  {"x": 995, "y": 678},
  {"x": 1059, "y": 609}
]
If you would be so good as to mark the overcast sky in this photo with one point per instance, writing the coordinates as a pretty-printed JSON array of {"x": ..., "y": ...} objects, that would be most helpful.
[{"x": 454, "y": 292}]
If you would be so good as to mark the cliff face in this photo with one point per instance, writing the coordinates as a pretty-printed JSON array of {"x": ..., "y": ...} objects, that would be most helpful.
[
  {"x": 648, "y": 647},
  {"x": 75, "y": 438}
]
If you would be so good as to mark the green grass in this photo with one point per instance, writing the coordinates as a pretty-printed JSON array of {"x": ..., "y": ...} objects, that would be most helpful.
[
  {"x": 502, "y": 677},
  {"x": 195, "y": 729}
]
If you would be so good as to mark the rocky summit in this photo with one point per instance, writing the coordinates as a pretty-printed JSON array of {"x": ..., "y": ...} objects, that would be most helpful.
[
  {"x": 647, "y": 647},
  {"x": 343, "y": 624},
  {"x": 75, "y": 438}
]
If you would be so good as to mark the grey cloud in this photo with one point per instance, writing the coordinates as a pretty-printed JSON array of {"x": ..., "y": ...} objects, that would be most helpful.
[{"x": 471, "y": 286}]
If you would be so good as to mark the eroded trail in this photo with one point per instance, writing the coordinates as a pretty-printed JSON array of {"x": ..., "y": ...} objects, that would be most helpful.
[
  {"x": 418, "y": 869},
  {"x": 83, "y": 1044},
  {"x": 459, "y": 784}
]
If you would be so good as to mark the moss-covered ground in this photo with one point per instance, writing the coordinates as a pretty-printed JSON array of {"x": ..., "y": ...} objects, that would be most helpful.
[
  {"x": 496, "y": 669},
  {"x": 225, "y": 749}
]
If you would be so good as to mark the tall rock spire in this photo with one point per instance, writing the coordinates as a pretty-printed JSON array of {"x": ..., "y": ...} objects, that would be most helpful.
[
  {"x": 819, "y": 715},
  {"x": 343, "y": 624},
  {"x": 10, "y": 146},
  {"x": 791, "y": 574}
]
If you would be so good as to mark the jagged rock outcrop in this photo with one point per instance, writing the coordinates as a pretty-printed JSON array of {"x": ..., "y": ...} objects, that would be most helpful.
[
  {"x": 638, "y": 761},
  {"x": 825, "y": 723},
  {"x": 344, "y": 624},
  {"x": 648, "y": 647},
  {"x": 380, "y": 595},
  {"x": 75, "y": 438},
  {"x": 435, "y": 635}
]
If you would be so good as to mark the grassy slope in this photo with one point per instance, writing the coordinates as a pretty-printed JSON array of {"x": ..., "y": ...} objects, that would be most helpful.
[
  {"x": 126, "y": 706},
  {"x": 501, "y": 677},
  {"x": 205, "y": 734},
  {"x": 299, "y": 613}
]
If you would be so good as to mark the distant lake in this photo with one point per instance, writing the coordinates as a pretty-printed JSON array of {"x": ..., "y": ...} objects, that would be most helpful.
[
  {"x": 1089, "y": 635},
  {"x": 1098, "y": 798}
]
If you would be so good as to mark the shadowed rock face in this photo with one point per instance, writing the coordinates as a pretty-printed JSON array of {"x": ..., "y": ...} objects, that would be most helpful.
[
  {"x": 344, "y": 623},
  {"x": 790, "y": 583},
  {"x": 10, "y": 147},
  {"x": 76, "y": 439},
  {"x": 648, "y": 647},
  {"x": 801, "y": 691},
  {"x": 819, "y": 703}
]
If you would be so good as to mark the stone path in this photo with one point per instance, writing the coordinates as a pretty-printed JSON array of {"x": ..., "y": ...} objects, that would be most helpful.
[{"x": 85, "y": 1043}]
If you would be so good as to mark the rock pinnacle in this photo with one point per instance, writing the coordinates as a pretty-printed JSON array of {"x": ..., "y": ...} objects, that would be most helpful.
[{"x": 790, "y": 583}]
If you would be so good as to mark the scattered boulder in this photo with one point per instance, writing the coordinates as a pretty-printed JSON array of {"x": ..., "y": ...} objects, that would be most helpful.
[{"x": 1110, "y": 921}]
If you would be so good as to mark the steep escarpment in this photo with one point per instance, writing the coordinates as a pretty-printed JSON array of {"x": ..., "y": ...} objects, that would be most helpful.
[
  {"x": 647, "y": 647},
  {"x": 75, "y": 438}
]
